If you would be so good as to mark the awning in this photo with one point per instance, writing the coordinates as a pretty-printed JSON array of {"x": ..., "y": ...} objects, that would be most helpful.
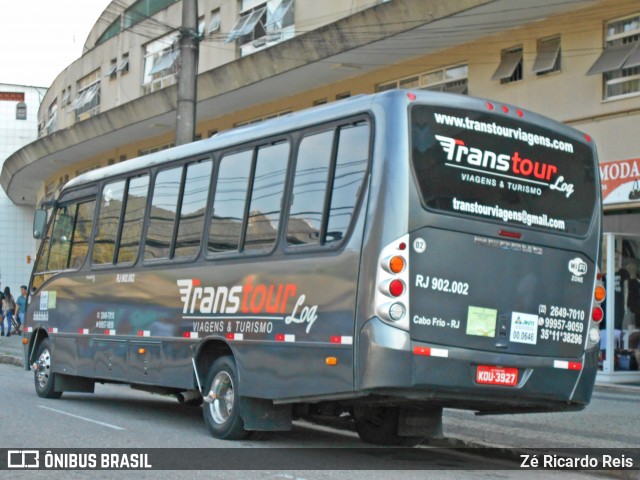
[
  {"x": 214, "y": 24},
  {"x": 245, "y": 24},
  {"x": 634, "y": 59},
  {"x": 613, "y": 58},
  {"x": 111, "y": 70},
  {"x": 165, "y": 62},
  {"x": 279, "y": 14},
  {"x": 508, "y": 65},
  {"x": 124, "y": 64},
  {"x": 547, "y": 55},
  {"x": 87, "y": 96}
]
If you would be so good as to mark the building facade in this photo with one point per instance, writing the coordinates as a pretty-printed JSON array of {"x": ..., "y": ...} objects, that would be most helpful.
[
  {"x": 575, "y": 61},
  {"x": 18, "y": 126}
]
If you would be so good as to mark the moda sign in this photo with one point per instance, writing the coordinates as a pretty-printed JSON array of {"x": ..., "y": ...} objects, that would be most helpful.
[{"x": 620, "y": 181}]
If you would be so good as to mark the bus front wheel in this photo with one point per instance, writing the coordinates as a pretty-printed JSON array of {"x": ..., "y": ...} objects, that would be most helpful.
[
  {"x": 379, "y": 426},
  {"x": 44, "y": 378},
  {"x": 222, "y": 404}
]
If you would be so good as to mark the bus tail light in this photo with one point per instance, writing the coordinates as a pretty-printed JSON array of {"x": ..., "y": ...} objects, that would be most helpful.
[
  {"x": 599, "y": 294},
  {"x": 597, "y": 314},
  {"x": 396, "y": 264},
  {"x": 397, "y": 311},
  {"x": 392, "y": 280},
  {"x": 396, "y": 288}
]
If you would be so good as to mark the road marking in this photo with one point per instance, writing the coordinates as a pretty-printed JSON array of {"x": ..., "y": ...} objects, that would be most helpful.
[{"x": 115, "y": 427}]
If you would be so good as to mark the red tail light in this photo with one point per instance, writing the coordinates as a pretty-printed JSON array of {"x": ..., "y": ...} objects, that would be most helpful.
[
  {"x": 597, "y": 314},
  {"x": 396, "y": 288}
]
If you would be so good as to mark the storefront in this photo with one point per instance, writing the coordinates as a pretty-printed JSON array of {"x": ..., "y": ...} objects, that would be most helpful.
[{"x": 620, "y": 331}]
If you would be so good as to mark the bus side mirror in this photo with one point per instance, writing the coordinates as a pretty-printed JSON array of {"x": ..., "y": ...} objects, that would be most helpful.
[{"x": 39, "y": 223}]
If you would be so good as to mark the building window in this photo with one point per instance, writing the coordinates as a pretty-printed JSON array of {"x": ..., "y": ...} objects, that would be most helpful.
[
  {"x": 261, "y": 23},
  {"x": 112, "y": 71},
  {"x": 548, "y": 59},
  {"x": 21, "y": 111},
  {"x": 143, "y": 9},
  {"x": 214, "y": 23},
  {"x": 111, "y": 31},
  {"x": 66, "y": 96},
  {"x": 262, "y": 119},
  {"x": 160, "y": 63},
  {"x": 123, "y": 66},
  {"x": 157, "y": 148},
  {"x": 52, "y": 114},
  {"x": 619, "y": 63},
  {"x": 343, "y": 95},
  {"x": 452, "y": 79},
  {"x": 510, "y": 68},
  {"x": 87, "y": 103}
]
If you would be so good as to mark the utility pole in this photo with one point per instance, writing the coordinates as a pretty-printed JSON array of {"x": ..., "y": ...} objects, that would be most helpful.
[{"x": 187, "y": 74}]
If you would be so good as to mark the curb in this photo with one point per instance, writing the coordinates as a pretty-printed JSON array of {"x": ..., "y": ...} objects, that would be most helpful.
[{"x": 10, "y": 360}]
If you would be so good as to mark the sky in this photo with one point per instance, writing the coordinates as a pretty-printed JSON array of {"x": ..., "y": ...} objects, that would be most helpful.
[{"x": 39, "y": 38}]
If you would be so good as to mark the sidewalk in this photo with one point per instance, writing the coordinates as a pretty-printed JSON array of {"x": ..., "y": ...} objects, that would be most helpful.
[{"x": 11, "y": 350}]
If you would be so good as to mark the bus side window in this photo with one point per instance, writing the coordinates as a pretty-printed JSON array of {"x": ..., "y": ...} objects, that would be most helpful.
[
  {"x": 67, "y": 241},
  {"x": 309, "y": 189},
  {"x": 108, "y": 223},
  {"x": 229, "y": 202},
  {"x": 81, "y": 234},
  {"x": 351, "y": 165},
  {"x": 164, "y": 206},
  {"x": 266, "y": 197},
  {"x": 61, "y": 238},
  {"x": 136, "y": 202},
  {"x": 192, "y": 209}
]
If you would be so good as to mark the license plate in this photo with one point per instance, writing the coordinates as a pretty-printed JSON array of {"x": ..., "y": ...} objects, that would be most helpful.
[{"x": 490, "y": 375}]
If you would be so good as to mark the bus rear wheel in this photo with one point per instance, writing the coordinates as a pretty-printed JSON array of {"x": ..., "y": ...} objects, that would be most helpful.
[
  {"x": 379, "y": 426},
  {"x": 43, "y": 377},
  {"x": 222, "y": 404}
]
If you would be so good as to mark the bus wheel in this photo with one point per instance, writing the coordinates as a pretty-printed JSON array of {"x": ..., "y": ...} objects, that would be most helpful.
[
  {"x": 379, "y": 426},
  {"x": 222, "y": 404},
  {"x": 43, "y": 376}
]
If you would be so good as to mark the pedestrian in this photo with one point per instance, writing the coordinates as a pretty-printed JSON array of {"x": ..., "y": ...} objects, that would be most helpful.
[
  {"x": 9, "y": 307},
  {"x": 2, "y": 313},
  {"x": 21, "y": 306}
]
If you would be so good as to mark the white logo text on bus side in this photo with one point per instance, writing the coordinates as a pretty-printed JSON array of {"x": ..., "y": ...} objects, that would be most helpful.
[
  {"x": 457, "y": 151},
  {"x": 250, "y": 298}
]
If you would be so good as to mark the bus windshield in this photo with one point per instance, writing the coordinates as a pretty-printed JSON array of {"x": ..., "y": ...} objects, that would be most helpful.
[{"x": 489, "y": 167}]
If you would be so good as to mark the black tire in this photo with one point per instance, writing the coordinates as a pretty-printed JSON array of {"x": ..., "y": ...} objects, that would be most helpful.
[
  {"x": 222, "y": 416},
  {"x": 379, "y": 426},
  {"x": 43, "y": 377}
]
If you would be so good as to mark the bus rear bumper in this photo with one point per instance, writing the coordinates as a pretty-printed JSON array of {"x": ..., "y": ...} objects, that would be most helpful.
[{"x": 400, "y": 370}]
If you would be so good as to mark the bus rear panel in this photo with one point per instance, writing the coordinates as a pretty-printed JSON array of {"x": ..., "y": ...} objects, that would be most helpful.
[{"x": 493, "y": 310}]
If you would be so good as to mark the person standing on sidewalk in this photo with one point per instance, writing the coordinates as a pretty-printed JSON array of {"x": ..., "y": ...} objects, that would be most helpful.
[
  {"x": 9, "y": 307},
  {"x": 21, "y": 307},
  {"x": 2, "y": 313}
]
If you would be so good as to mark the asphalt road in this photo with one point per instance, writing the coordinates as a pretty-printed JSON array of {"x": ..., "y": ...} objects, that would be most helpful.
[{"x": 119, "y": 417}]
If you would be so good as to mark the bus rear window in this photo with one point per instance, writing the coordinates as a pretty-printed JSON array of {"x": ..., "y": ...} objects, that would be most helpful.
[{"x": 489, "y": 167}]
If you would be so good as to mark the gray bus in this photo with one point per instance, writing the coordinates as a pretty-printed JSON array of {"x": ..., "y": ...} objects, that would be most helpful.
[{"x": 374, "y": 260}]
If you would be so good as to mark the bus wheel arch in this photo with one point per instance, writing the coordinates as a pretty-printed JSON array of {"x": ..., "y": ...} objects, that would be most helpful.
[
  {"x": 44, "y": 378},
  {"x": 207, "y": 352}
]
